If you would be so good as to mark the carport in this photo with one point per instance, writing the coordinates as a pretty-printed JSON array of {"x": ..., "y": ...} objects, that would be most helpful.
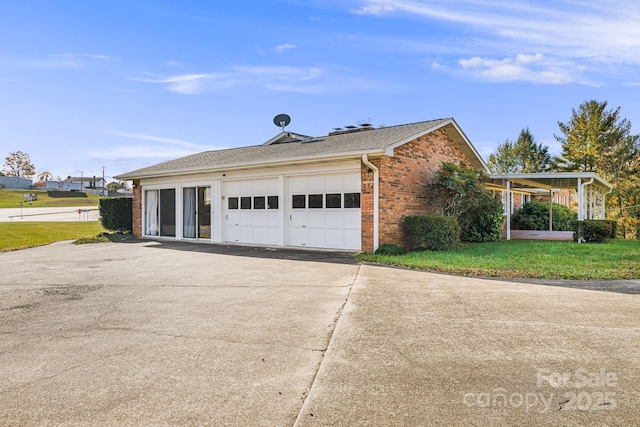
[{"x": 590, "y": 188}]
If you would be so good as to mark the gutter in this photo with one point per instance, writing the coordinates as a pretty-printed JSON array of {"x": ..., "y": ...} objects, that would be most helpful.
[{"x": 376, "y": 194}]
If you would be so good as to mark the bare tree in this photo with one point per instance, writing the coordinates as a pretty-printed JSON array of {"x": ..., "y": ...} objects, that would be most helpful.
[{"x": 19, "y": 164}]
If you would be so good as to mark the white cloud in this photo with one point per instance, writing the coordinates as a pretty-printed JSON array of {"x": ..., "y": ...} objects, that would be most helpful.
[
  {"x": 282, "y": 47},
  {"x": 191, "y": 84},
  {"x": 311, "y": 80},
  {"x": 531, "y": 68},
  {"x": 593, "y": 35},
  {"x": 158, "y": 147}
]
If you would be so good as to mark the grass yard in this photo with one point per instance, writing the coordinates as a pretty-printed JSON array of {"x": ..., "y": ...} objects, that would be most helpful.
[
  {"x": 617, "y": 259},
  {"x": 12, "y": 199},
  {"x": 22, "y": 235}
]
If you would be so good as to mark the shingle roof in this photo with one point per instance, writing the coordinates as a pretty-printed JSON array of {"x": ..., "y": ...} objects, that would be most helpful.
[{"x": 356, "y": 143}]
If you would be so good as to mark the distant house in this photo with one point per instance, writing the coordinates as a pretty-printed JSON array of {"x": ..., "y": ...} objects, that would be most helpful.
[
  {"x": 15, "y": 182},
  {"x": 84, "y": 184}
]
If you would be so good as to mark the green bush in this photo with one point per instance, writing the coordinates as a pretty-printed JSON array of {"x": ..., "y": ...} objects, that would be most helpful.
[
  {"x": 459, "y": 193},
  {"x": 483, "y": 221},
  {"x": 432, "y": 232},
  {"x": 535, "y": 216},
  {"x": 116, "y": 213},
  {"x": 390, "y": 249},
  {"x": 592, "y": 231}
]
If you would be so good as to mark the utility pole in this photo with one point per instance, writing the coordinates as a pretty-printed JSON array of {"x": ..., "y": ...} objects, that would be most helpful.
[{"x": 104, "y": 184}]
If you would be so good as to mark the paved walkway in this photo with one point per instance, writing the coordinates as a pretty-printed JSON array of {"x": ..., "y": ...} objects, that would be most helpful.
[
  {"x": 68, "y": 214},
  {"x": 148, "y": 333}
]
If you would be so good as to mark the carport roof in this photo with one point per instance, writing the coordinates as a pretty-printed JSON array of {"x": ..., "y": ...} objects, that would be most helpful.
[
  {"x": 546, "y": 181},
  {"x": 291, "y": 148}
]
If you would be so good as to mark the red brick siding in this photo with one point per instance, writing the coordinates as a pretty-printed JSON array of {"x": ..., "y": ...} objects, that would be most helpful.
[
  {"x": 137, "y": 209},
  {"x": 404, "y": 185}
]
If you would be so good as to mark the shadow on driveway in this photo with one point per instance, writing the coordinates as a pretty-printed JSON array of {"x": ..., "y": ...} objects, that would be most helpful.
[{"x": 333, "y": 257}]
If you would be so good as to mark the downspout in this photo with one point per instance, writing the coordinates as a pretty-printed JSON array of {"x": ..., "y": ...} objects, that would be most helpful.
[{"x": 376, "y": 193}]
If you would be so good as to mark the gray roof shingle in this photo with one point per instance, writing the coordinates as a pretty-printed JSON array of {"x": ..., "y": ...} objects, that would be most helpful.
[{"x": 369, "y": 141}]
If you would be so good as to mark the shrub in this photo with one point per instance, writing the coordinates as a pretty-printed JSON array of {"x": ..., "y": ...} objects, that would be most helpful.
[
  {"x": 460, "y": 194},
  {"x": 483, "y": 221},
  {"x": 390, "y": 249},
  {"x": 592, "y": 231},
  {"x": 432, "y": 232},
  {"x": 535, "y": 216},
  {"x": 116, "y": 213}
]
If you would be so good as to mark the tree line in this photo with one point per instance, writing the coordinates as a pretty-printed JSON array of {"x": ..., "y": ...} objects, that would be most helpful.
[{"x": 594, "y": 139}]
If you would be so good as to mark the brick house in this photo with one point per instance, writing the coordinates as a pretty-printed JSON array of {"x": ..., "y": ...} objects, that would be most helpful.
[{"x": 348, "y": 190}]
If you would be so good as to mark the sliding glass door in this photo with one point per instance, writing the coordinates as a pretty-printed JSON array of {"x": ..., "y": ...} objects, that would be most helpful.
[
  {"x": 196, "y": 212},
  {"x": 160, "y": 212}
]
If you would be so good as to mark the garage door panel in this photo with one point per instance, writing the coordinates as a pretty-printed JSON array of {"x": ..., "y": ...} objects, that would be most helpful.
[
  {"x": 334, "y": 219},
  {"x": 352, "y": 183},
  {"x": 233, "y": 187},
  {"x": 352, "y": 239},
  {"x": 352, "y": 218},
  {"x": 298, "y": 185},
  {"x": 316, "y": 219},
  {"x": 273, "y": 219},
  {"x": 316, "y": 184},
  {"x": 259, "y": 235},
  {"x": 246, "y": 234},
  {"x": 316, "y": 237},
  {"x": 334, "y": 238},
  {"x": 334, "y": 183},
  {"x": 298, "y": 237}
]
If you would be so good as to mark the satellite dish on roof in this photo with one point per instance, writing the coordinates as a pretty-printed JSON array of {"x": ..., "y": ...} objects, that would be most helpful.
[{"x": 281, "y": 120}]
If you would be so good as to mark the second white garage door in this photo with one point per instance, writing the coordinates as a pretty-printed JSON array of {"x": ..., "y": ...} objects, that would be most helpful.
[
  {"x": 253, "y": 212},
  {"x": 324, "y": 211}
]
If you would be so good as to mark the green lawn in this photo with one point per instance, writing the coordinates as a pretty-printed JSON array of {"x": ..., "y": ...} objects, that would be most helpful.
[
  {"x": 618, "y": 259},
  {"x": 22, "y": 235},
  {"x": 12, "y": 199}
]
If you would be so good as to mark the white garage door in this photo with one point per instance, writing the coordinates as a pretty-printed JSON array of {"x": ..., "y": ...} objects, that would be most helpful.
[
  {"x": 253, "y": 212},
  {"x": 325, "y": 211}
]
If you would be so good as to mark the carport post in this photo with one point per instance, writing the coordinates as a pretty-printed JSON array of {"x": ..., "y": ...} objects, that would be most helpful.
[
  {"x": 550, "y": 210},
  {"x": 508, "y": 207}
]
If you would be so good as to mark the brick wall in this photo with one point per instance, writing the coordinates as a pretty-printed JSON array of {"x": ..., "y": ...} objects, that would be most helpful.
[
  {"x": 404, "y": 185},
  {"x": 137, "y": 209}
]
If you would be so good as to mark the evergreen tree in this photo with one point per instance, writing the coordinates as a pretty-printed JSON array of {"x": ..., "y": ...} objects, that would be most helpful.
[
  {"x": 596, "y": 140},
  {"x": 523, "y": 155}
]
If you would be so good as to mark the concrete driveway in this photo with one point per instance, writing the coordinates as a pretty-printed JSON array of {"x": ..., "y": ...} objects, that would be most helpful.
[{"x": 146, "y": 333}]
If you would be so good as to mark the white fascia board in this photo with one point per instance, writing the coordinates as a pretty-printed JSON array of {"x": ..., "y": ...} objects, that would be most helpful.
[
  {"x": 551, "y": 175},
  {"x": 253, "y": 165},
  {"x": 285, "y": 135}
]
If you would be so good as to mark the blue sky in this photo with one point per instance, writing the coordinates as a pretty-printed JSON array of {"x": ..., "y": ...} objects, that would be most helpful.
[{"x": 123, "y": 84}]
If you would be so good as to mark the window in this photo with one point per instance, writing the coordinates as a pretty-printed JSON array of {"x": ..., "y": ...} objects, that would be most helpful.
[
  {"x": 352, "y": 200},
  {"x": 298, "y": 201},
  {"x": 259, "y": 202},
  {"x": 315, "y": 201},
  {"x": 233, "y": 203},
  {"x": 245, "y": 202},
  {"x": 272, "y": 202},
  {"x": 333, "y": 201}
]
